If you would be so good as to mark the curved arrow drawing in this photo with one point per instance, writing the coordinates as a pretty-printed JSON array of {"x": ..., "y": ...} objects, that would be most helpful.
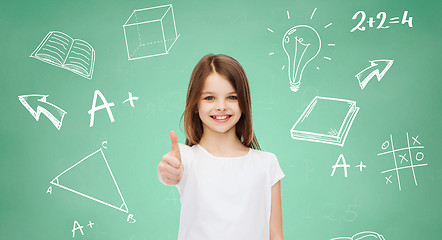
[
  {"x": 367, "y": 74},
  {"x": 41, "y": 100}
]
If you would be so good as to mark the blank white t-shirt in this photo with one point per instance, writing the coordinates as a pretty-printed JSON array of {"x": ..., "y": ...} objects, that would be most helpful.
[{"x": 226, "y": 198}]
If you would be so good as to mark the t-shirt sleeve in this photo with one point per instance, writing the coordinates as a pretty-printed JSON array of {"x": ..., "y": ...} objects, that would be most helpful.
[{"x": 275, "y": 170}]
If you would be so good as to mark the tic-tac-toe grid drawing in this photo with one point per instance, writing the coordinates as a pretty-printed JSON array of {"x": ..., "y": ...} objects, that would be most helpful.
[{"x": 406, "y": 158}]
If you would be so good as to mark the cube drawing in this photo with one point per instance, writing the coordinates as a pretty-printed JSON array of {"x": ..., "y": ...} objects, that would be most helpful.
[{"x": 150, "y": 32}]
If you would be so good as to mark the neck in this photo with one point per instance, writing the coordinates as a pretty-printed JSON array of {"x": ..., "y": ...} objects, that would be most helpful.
[{"x": 221, "y": 143}]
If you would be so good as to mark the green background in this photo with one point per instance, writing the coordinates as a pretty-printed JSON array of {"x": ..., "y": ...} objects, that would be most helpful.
[{"x": 315, "y": 204}]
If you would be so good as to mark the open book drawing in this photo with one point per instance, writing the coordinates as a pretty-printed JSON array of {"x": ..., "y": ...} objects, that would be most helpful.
[
  {"x": 325, "y": 120},
  {"x": 61, "y": 50}
]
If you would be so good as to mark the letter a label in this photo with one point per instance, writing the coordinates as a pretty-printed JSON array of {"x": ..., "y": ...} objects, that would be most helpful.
[
  {"x": 104, "y": 105},
  {"x": 77, "y": 226},
  {"x": 337, "y": 164}
]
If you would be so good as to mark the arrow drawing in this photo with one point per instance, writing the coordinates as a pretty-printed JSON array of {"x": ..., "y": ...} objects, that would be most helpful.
[
  {"x": 367, "y": 74},
  {"x": 49, "y": 110}
]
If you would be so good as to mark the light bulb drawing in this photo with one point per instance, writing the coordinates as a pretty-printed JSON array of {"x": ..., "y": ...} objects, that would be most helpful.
[{"x": 301, "y": 44}]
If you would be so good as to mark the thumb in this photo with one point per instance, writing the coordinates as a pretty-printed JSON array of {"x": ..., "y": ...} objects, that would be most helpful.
[{"x": 175, "y": 150}]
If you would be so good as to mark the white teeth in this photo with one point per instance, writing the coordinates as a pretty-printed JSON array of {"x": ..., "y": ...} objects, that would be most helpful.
[{"x": 221, "y": 117}]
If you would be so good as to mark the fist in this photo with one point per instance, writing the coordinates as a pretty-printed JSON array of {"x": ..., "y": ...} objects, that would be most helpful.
[{"x": 170, "y": 169}]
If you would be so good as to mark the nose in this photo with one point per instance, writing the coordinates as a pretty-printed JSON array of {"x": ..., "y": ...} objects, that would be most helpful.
[{"x": 221, "y": 105}]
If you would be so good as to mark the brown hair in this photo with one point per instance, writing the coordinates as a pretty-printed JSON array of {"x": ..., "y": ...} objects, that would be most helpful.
[{"x": 230, "y": 69}]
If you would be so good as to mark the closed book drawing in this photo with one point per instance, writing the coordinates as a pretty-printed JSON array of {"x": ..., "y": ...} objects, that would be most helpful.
[
  {"x": 60, "y": 50},
  {"x": 325, "y": 120}
]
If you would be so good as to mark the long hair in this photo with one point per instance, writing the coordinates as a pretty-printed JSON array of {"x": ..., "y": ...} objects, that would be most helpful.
[{"x": 231, "y": 70}]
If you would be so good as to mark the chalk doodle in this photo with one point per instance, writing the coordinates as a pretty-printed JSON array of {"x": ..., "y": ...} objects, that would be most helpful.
[
  {"x": 361, "y": 166},
  {"x": 92, "y": 178},
  {"x": 382, "y": 17},
  {"x": 173, "y": 197},
  {"x": 60, "y": 50},
  {"x": 52, "y": 112},
  {"x": 77, "y": 227},
  {"x": 338, "y": 164},
  {"x": 95, "y": 108},
  {"x": 406, "y": 155},
  {"x": 367, "y": 235},
  {"x": 341, "y": 163},
  {"x": 368, "y": 73},
  {"x": 332, "y": 211},
  {"x": 301, "y": 45},
  {"x": 106, "y": 105},
  {"x": 325, "y": 120},
  {"x": 90, "y": 224},
  {"x": 150, "y": 32},
  {"x": 130, "y": 218},
  {"x": 131, "y": 99}
]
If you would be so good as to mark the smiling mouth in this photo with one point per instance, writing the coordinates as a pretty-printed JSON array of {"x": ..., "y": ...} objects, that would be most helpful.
[{"x": 221, "y": 117}]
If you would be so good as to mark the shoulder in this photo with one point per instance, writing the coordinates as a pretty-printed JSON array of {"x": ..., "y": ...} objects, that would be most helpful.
[
  {"x": 272, "y": 165},
  {"x": 183, "y": 146},
  {"x": 184, "y": 149},
  {"x": 188, "y": 151},
  {"x": 264, "y": 155}
]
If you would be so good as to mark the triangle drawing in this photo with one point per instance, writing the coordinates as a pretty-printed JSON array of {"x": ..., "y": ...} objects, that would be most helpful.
[{"x": 92, "y": 178}]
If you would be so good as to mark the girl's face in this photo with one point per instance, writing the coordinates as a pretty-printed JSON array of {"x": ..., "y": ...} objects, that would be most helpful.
[{"x": 218, "y": 106}]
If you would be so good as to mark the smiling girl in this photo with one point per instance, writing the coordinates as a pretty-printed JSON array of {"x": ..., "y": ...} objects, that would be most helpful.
[{"x": 230, "y": 190}]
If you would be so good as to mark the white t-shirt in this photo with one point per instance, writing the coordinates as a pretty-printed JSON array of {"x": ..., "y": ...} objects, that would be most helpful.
[{"x": 226, "y": 198}]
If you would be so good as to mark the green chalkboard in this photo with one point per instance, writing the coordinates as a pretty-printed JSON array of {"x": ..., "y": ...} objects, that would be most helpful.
[{"x": 353, "y": 117}]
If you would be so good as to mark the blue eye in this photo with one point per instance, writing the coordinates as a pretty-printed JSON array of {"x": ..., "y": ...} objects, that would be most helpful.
[
  {"x": 233, "y": 98},
  {"x": 209, "y": 98}
]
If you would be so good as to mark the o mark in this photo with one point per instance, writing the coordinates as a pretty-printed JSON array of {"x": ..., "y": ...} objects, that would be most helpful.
[
  {"x": 421, "y": 154},
  {"x": 385, "y": 145}
]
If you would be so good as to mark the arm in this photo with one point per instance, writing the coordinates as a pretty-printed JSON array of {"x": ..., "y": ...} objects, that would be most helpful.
[{"x": 276, "y": 213}]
